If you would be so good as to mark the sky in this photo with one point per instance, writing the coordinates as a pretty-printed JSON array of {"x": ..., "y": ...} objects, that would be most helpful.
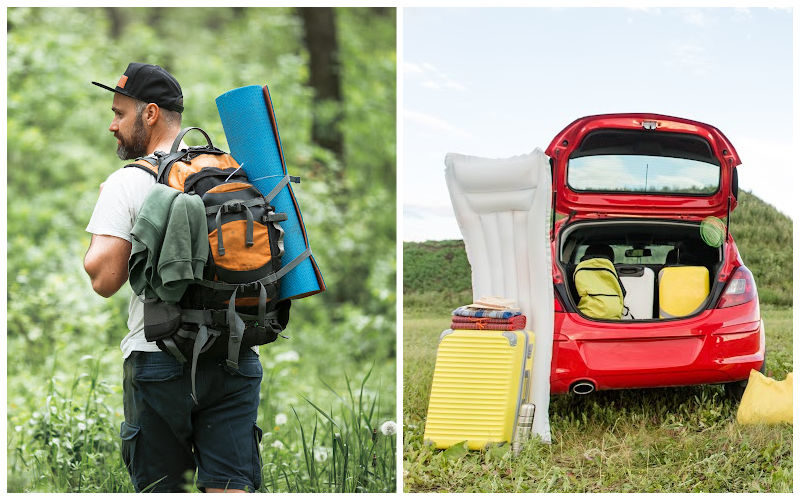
[{"x": 498, "y": 82}]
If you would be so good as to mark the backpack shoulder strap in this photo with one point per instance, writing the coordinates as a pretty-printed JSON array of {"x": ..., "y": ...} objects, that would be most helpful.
[{"x": 147, "y": 164}]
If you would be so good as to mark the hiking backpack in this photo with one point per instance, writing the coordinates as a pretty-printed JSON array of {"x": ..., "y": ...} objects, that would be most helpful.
[
  {"x": 236, "y": 304},
  {"x": 600, "y": 289}
]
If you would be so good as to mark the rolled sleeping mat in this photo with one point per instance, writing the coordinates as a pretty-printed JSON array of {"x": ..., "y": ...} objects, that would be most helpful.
[{"x": 252, "y": 132}]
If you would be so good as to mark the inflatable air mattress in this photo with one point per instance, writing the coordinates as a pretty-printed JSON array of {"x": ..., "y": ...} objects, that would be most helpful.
[
  {"x": 503, "y": 210},
  {"x": 252, "y": 132}
]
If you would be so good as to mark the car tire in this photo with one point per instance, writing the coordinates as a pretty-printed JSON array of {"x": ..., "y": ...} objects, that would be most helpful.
[{"x": 735, "y": 390}]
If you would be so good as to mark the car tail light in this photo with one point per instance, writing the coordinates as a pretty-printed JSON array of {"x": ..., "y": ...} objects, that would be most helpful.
[{"x": 741, "y": 288}]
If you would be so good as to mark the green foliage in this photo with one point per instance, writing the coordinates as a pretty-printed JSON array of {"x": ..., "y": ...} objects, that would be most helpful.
[
  {"x": 438, "y": 272},
  {"x": 59, "y": 151},
  {"x": 764, "y": 238},
  {"x": 682, "y": 439},
  {"x": 435, "y": 266}
]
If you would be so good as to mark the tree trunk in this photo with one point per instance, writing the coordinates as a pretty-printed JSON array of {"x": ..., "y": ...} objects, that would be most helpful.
[
  {"x": 319, "y": 26},
  {"x": 117, "y": 21}
]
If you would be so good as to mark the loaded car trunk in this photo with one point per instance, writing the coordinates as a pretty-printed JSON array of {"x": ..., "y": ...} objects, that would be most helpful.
[{"x": 659, "y": 262}]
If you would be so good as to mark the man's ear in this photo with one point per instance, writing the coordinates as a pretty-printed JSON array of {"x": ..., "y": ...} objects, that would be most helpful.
[{"x": 151, "y": 113}]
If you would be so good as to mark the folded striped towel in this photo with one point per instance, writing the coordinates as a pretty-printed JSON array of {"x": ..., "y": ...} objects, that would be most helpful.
[
  {"x": 467, "y": 323},
  {"x": 484, "y": 313}
]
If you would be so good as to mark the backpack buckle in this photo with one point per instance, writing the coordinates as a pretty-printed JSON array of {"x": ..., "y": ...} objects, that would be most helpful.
[{"x": 234, "y": 206}]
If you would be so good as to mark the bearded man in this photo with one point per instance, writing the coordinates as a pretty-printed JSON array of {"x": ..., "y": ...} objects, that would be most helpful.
[{"x": 166, "y": 437}]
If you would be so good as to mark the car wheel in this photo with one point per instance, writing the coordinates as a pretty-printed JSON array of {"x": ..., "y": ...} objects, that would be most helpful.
[{"x": 735, "y": 390}]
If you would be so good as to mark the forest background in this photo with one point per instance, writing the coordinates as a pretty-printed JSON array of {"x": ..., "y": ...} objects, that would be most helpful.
[{"x": 329, "y": 388}]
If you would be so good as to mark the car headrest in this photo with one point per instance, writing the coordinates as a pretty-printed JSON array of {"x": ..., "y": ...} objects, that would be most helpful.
[{"x": 598, "y": 250}]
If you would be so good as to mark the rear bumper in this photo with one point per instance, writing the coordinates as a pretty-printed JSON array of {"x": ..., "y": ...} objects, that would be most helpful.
[{"x": 719, "y": 345}]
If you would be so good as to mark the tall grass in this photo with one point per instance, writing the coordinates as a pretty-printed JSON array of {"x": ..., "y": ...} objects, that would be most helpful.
[{"x": 69, "y": 442}]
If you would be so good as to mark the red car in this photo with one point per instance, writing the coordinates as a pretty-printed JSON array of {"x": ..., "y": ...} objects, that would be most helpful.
[{"x": 642, "y": 184}]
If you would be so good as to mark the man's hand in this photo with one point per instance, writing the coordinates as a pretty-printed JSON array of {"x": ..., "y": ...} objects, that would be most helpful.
[{"x": 106, "y": 263}]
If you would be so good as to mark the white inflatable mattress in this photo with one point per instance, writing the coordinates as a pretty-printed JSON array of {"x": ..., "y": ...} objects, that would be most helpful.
[{"x": 503, "y": 210}]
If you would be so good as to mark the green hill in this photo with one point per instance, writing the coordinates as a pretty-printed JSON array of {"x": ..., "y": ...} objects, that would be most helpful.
[{"x": 438, "y": 271}]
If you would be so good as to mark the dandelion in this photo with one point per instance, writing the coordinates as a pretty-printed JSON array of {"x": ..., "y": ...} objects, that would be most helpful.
[
  {"x": 281, "y": 419},
  {"x": 288, "y": 356},
  {"x": 388, "y": 428},
  {"x": 277, "y": 445}
]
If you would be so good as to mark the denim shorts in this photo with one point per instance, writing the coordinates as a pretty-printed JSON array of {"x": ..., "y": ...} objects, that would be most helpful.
[{"x": 166, "y": 436}]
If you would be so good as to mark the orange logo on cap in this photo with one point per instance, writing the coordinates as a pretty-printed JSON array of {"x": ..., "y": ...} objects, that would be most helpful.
[{"x": 122, "y": 81}]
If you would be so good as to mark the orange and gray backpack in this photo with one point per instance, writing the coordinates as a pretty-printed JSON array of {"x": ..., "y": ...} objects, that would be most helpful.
[{"x": 236, "y": 304}]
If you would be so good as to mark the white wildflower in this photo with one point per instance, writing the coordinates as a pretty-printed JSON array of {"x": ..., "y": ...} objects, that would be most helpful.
[
  {"x": 81, "y": 426},
  {"x": 18, "y": 428},
  {"x": 320, "y": 454},
  {"x": 288, "y": 356},
  {"x": 388, "y": 428},
  {"x": 281, "y": 419},
  {"x": 278, "y": 445}
]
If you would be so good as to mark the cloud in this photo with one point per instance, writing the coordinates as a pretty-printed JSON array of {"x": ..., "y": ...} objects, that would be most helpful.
[
  {"x": 689, "y": 58},
  {"x": 695, "y": 17},
  {"x": 425, "y": 211},
  {"x": 434, "y": 123},
  {"x": 647, "y": 10},
  {"x": 411, "y": 68},
  {"x": 742, "y": 14},
  {"x": 429, "y": 222},
  {"x": 431, "y": 77}
]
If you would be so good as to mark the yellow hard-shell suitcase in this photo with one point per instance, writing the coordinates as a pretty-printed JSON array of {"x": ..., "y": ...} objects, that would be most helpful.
[
  {"x": 480, "y": 380},
  {"x": 682, "y": 290}
]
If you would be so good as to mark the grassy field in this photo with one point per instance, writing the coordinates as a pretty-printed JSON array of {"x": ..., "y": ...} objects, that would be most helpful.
[
  {"x": 324, "y": 423},
  {"x": 659, "y": 440}
]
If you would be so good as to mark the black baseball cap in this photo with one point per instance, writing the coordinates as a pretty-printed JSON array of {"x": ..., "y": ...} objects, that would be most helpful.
[{"x": 149, "y": 83}]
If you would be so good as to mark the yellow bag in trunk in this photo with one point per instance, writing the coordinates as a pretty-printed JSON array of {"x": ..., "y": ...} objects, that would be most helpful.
[{"x": 600, "y": 289}]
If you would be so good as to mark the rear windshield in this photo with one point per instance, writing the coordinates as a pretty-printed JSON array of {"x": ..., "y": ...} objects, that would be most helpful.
[
  {"x": 629, "y": 161},
  {"x": 642, "y": 174},
  {"x": 658, "y": 254}
]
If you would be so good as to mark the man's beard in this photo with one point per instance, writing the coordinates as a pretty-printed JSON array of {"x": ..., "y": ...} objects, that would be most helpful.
[{"x": 136, "y": 146}]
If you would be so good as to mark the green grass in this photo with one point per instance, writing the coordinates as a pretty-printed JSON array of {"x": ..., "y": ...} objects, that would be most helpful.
[
  {"x": 661, "y": 440},
  {"x": 320, "y": 434}
]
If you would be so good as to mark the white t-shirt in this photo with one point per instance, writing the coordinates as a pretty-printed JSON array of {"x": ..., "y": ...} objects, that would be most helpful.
[{"x": 114, "y": 214}]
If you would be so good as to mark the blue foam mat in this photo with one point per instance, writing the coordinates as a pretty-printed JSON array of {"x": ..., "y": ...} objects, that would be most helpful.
[{"x": 252, "y": 132}]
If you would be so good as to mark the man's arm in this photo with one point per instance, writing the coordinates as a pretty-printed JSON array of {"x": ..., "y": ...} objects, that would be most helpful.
[{"x": 106, "y": 263}]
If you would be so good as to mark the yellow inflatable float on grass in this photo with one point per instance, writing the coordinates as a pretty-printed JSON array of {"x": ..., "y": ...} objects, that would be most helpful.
[{"x": 766, "y": 400}]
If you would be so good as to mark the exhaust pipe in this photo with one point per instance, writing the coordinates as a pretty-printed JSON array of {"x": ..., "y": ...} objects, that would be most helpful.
[{"x": 582, "y": 387}]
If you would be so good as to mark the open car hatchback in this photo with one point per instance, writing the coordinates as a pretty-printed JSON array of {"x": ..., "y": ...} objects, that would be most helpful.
[{"x": 640, "y": 186}]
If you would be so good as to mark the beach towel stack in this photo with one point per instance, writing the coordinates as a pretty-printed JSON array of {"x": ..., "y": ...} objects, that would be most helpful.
[{"x": 489, "y": 313}]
